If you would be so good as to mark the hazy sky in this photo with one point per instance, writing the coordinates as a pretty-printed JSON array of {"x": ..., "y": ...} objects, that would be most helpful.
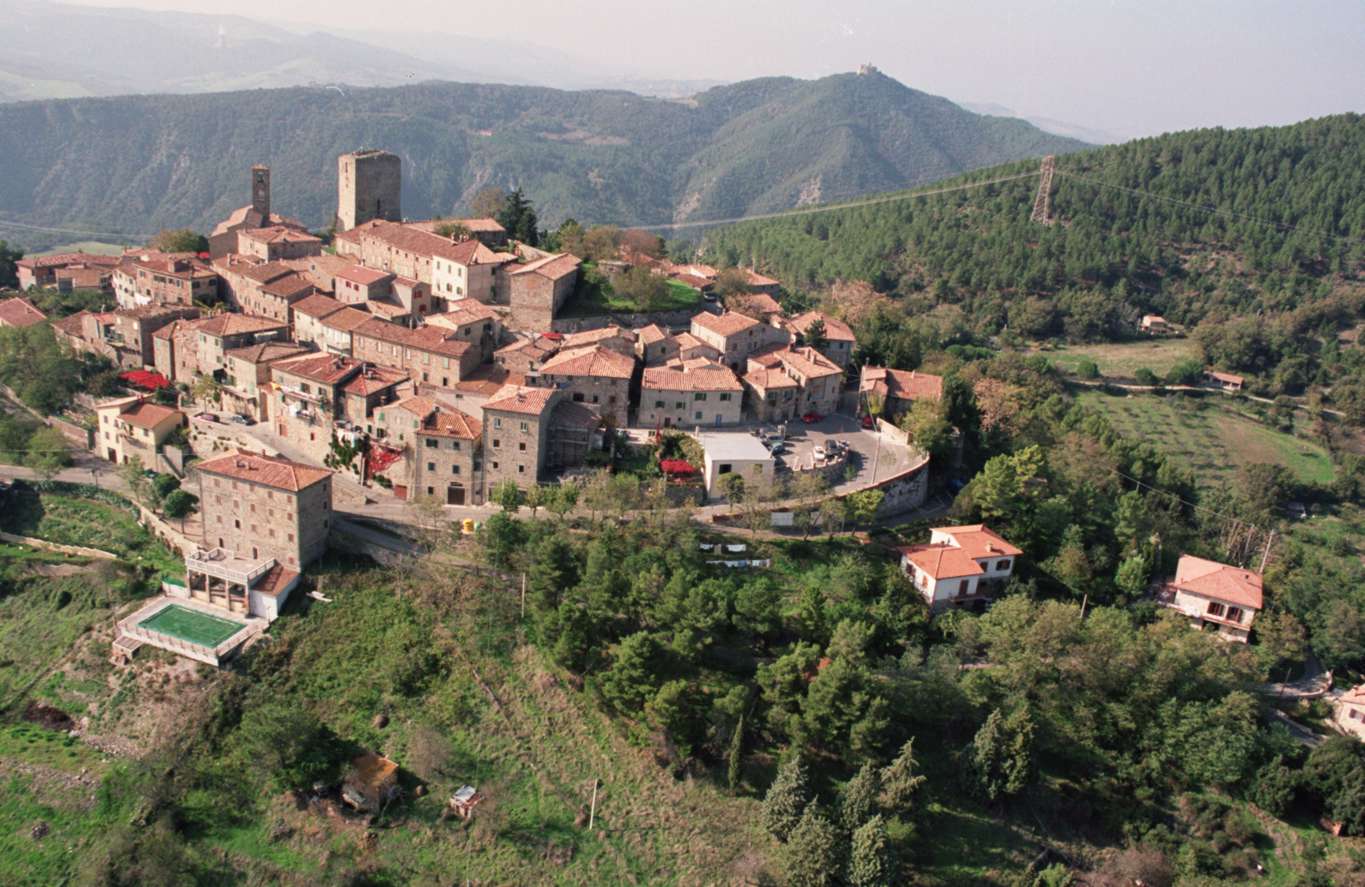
[{"x": 1129, "y": 68}]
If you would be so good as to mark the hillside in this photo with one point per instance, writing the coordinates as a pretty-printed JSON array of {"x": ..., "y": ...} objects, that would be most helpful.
[
  {"x": 139, "y": 163},
  {"x": 1208, "y": 225}
]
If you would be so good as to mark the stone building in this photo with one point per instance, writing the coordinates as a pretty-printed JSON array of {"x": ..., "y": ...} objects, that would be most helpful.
[
  {"x": 246, "y": 377},
  {"x": 706, "y": 394},
  {"x": 210, "y": 339},
  {"x": 472, "y": 322},
  {"x": 595, "y": 376},
  {"x": 516, "y": 435},
  {"x": 441, "y": 449},
  {"x": 277, "y": 242},
  {"x": 270, "y": 289},
  {"x": 736, "y": 336},
  {"x": 134, "y": 330},
  {"x": 265, "y": 508},
  {"x": 153, "y": 278},
  {"x": 773, "y": 396},
  {"x": 319, "y": 395},
  {"x": 338, "y": 329},
  {"x": 536, "y": 290},
  {"x": 308, "y": 316},
  {"x": 357, "y": 284},
  {"x": 369, "y": 186},
  {"x": 611, "y": 336},
  {"x": 67, "y": 271},
  {"x": 431, "y": 354},
  {"x": 838, "y": 341},
  {"x": 527, "y": 353},
  {"x": 819, "y": 380},
  {"x": 888, "y": 393}
]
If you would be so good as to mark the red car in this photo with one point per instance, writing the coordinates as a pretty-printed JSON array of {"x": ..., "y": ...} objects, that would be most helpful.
[
  {"x": 811, "y": 418},
  {"x": 868, "y": 421}
]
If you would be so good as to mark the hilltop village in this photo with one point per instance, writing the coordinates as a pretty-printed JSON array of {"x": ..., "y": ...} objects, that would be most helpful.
[{"x": 432, "y": 362}]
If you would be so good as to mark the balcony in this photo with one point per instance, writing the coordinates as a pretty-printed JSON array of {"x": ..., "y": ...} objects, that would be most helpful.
[
  {"x": 222, "y": 564},
  {"x": 300, "y": 394}
]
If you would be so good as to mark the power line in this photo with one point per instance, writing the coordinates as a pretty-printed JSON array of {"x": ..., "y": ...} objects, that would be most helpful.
[
  {"x": 110, "y": 234},
  {"x": 1282, "y": 226},
  {"x": 833, "y": 207}
]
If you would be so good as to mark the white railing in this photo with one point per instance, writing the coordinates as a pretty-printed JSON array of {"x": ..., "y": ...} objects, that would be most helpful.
[{"x": 215, "y": 563}]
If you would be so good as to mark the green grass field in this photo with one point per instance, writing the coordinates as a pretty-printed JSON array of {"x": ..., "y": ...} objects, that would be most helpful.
[
  {"x": 1122, "y": 360},
  {"x": 1208, "y": 439},
  {"x": 590, "y": 301},
  {"x": 96, "y": 247},
  {"x": 191, "y": 625},
  {"x": 69, "y": 518}
]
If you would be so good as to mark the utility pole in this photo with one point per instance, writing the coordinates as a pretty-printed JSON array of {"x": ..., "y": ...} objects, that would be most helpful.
[
  {"x": 1265, "y": 556},
  {"x": 592, "y": 812},
  {"x": 1042, "y": 203},
  {"x": 523, "y": 595}
]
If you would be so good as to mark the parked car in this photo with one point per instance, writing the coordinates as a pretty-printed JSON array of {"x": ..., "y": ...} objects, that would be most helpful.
[
  {"x": 820, "y": 453},
  {"x": 207, "y": 417},
  {"x": 241, "y": 420},
  {"x": 868, "y": 421},
  {"x": 811, "y": 418},
  {"x": 777, "y": 446}
]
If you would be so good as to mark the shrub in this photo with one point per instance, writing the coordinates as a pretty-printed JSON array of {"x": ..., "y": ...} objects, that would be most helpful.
[{"x": 1088, "y": 369}]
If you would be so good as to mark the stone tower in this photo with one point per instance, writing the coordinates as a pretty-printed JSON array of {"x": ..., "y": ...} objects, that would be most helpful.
[
  {"x": 369, "y": 186},
  {"x": 260, "y": 191}
]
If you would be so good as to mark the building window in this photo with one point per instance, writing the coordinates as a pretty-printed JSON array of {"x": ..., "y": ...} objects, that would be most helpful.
[
  {"x": 700, "y": 395},
  {"x": 432, "y": 443},
  {"x": 1002, "y": 565},
  {"x": 522, "y": 446},
  {"x": 724, "y": 396},
  {"x": 497, "y": 444},
  {"x": 962, "y": 587},
  {"x": 431, "y": 466},
  {"x": 1234, "y": 614},
  {"x": 658, "y": 404},
  {"x": 454, "y": 469},
  {"x": 521, "y": 469},
  {"x": 525, "y": 427},
  {"x": 1215, "y": 609},
  {"x": 497, "y": 421}
]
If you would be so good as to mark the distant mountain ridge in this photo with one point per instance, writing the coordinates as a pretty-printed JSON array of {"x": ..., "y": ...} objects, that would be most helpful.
[{"x": 139, "y": 163}]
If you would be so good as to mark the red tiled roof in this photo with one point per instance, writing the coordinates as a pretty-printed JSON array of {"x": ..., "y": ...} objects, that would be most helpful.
[
  {"x": 237, "y": 324},
  {"x": 941, "y": 561},
  {"x": 146, "y": 414},
  {"x": 489, "y": 380},
  {"x": 270, "y": 471},
  {"x": 807, "y": 362},
  {"x": 432, "y": 339},
  {"x": 1221, "y": 582},
  {"x": 900, "y": 384},
  {"x": 979, "y": 541},
  {"x": 520, "y": 399},
  {"x": 593, "y": 361},
  {"x": 835, "y": 329},
  {"x": 466, "y": 311},
  {"x": 592, "y": 337},
  {"x": 712, "y": 378},
  {"x": 290, "y": 287},
  {"x": 553, "y": 267},
  {"x": 756, "y": 279},
  {"x": 58, "y": 260},
  {"x": 347, "y": 320},
  {"x": 364, "y": 276},
  {"x": 759, "y": 303},
  {"x": 329, "y": 369},
  {"x": 19, "y": 312},
  {"x": 441, "y": 420},
  {"x": 728, "y": 324},
  {"x": 769, "y": 379},
  {"x": 651, "y": 334},
  {"x": 265, "y": 352},
  {"x": 1232, "y": 378},
  {"x": 317, "y": 305},
  {"x": 373, "y": 379},
  {"x": 278, "y": 234}
]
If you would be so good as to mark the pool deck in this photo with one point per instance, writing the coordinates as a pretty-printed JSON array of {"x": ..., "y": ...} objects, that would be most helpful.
[{"x": 132, "y": 633}]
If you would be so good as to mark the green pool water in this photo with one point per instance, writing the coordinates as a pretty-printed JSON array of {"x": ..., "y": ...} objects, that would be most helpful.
[{"x": 191, "y": 625}]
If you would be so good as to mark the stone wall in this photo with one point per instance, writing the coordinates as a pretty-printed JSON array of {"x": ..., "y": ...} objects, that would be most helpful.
[{"x": 679, "y": 319}]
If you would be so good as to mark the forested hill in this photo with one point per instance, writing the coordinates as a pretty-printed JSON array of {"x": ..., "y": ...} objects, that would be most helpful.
[
  {"x": 1287, "y": 228},
  {"x": 139, "y": 163}
]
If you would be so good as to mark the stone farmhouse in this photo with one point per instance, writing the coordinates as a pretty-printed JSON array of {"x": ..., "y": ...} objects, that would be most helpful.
[
  {"x": 318, "y": 396},
  {"x": 682, "y": 397},
  {"x": 888, "y": 392},
  {"x": 153, "y": 278},
  {"x": 67, "y": 271},
  {"x": 595, "y": 376}
]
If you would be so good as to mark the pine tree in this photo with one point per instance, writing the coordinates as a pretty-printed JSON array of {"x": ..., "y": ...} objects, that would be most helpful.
[
  {"x": 734, "y": 771},
  {"x": 1002, "y": 753},
  {"x": 872, "y": 860},
  {"x": 859, "y": 801},
  {"x": 786, "y": 799},
  {"x": 815, "y": 850},
  {"x": 900, "y": 782}
]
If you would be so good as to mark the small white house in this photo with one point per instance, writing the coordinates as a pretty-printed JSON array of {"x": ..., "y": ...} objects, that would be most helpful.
[
  {"x": 1217, "y": 597},
  {"x": 734, "y": 452},
  {"x": 959, "y": 565}
]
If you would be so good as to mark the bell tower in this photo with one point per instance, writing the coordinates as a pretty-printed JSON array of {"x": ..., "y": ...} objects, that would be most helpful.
[{"x": 260, "y": 191}]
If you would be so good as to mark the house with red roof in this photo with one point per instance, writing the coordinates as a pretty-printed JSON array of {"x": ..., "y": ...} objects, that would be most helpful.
[
  {"x": 317, "y": 396},
  {"x": 736, "y": 336},
  {"x": 888, "y": 393},
  {"x": 595, "y": 376},
  {"x": 959, "y": 565},
  {"x": 134, "y": 428},
  {"x": 537, "y": 289},
  {"x": 1217, "y": 597},
  {"x": 690, "y": 394},
  {"x": 67, "y": 271},
  {"x": 272, "y": 242},
  {"x": 836, "y": 342},
  {"x": 150, "y": 277},
  {"x": 1224, "y": 381}
]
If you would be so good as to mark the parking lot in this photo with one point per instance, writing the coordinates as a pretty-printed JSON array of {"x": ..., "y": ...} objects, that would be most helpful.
[{"x": 866, "y": 449}]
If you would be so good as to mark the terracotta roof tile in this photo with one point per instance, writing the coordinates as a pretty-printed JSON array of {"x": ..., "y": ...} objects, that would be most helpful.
[
  {"x": 714, "y": 378},
  {"x": 442, "y": 420},
  {"x": 520, "y": 399},
  {"x": 594, "y": 361},
  {"x": 1222, "y": 582},
  {"x": 728, "y": 324},
  {"x": 237, "y": 324},
  {"x": 317, "y": 305},
  {"x": 145, "y": 414},
  {"x": 942, "y": 561},
  {"x": 270, "y": 471},
  {"x": 19, "y": 312},
  {"x": 328, "y": 369},
  {"x": 979, "y": 541},
  {"x": 835, "y": 329}
]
